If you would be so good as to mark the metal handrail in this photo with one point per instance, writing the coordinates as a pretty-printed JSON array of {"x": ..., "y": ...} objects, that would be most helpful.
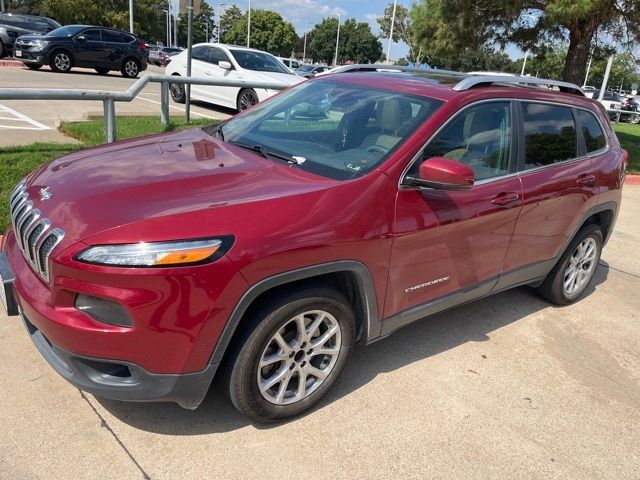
[{"x": 109, "y": 97}]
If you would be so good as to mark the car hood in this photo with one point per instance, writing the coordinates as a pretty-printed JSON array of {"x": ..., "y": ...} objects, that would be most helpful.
[
  {"x": 110, "y": 186},
  {"x": 284, "y": 78}
]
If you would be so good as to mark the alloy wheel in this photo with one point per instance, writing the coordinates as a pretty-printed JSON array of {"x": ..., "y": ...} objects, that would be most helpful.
[
  {"x": 299, "y": 357},
  {"x": 62, "y": 61},
  {"x": 582, "y": 264},
  {"x": 131, "y": 67},
  {"x": 248, "y": 98}
]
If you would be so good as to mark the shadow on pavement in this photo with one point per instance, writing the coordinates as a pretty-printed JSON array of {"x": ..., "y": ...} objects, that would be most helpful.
[{"x": 428, "y": 337}]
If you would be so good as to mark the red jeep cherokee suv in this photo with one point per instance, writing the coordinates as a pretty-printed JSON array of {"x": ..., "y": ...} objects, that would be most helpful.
[{"x": 334, "y": 213}]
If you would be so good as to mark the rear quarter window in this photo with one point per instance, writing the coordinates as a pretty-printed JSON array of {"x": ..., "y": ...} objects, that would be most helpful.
[
  {"x": 549, "y": 134},
  {"x": 594, "y": 137}
]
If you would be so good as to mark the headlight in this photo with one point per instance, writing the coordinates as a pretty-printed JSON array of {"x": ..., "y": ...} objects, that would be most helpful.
[
  {"x": 157, "y": 254},
  {"x": 39, "y": 44}
]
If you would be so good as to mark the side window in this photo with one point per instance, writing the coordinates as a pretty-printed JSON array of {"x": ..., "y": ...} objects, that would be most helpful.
[
  {"x": 200, "y": 53},
  {"x": 92, "y": 34},
  {"x": 217, "y": 56},
  {"x": 111, "y": 36},
  {"x": 591, "y": 131},
  {"x": 549, "y": 134},
  {"x": 479, "y": 137}
]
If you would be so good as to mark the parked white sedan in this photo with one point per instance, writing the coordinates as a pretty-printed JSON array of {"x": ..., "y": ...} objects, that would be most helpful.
[{"x": 217, "y": 61}]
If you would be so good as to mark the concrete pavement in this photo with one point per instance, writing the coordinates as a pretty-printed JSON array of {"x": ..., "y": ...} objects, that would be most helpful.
[
  {"x": 23, "y": 122},
  {"x": 506, "y": 387}
]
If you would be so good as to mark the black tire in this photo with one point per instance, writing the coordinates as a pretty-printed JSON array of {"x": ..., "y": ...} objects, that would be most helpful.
[
  {"x": 102, "y": 71},
  {"x": 61, "y": 61},
  {"x": 246, "y": 99},
  {"x": 635, "y": 118},
  {"x": 273, "y": 317},
  {"x": 553, "y": 286},
  {"x": 33, "y": 66},
  {"x": 130, "y": 68},
  {"x": 3, "y": 50},
  {"x": 178, "y": 92}
]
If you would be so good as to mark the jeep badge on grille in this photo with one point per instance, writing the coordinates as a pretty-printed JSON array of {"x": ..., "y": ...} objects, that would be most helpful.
[{"x": 45, "y": 194}]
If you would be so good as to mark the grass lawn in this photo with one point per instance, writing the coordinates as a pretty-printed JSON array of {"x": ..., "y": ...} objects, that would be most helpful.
[
  {"x": 629, "y": 136},
  {"x": 16, "y": 162}
]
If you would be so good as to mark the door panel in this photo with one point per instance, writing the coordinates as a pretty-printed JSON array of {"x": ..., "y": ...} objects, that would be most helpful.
[
  {"x": 453, "y": 239},
  {"x": 446, "y": 241},
  {"x": 90, "y": 52}
]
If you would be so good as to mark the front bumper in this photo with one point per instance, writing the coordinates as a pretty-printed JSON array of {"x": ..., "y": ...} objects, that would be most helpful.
[
  {"x": 108, "y": 378},
  {"x": 39, "y": 57}
]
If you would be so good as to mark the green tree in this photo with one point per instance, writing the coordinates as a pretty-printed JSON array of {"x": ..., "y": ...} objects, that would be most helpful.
[
  {"x": 402, "y": 30},
  {"x": 358, "y": 43},
  {"x": 323, "y": 44},
  {"x": 269, "y": 32},
  {"x": 202, "y": 23},
  {"x": 449, "y": 27},
  {"x": 228, "y": 18},
  {"x": 32, "y": 7}
]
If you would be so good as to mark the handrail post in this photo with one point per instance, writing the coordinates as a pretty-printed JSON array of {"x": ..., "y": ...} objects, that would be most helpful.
[
  {"x": 109, "y": 120},
  {"x": 164, "y": 103}
]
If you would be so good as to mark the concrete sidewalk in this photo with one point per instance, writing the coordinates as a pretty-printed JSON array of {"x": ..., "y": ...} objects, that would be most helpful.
[{"x": 506, "y": 387}]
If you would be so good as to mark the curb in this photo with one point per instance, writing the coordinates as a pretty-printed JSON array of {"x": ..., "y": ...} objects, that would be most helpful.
[
  {"x": 11, "y": 64},
  {"x": 632, "y": 180}
]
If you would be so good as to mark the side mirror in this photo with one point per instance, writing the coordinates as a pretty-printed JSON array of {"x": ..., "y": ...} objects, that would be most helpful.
[
  {"x": 81, "y": 38},
  {"x": 226, "y": 65},
  {"x": 443, "y": 174}
]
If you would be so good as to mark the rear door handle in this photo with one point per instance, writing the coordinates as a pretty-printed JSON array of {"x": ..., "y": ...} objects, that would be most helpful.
[
  {"x": 505, "y": 198},
  {"x": 586, "y": 180}
]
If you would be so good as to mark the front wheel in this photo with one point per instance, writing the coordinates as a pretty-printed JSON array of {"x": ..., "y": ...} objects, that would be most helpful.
[
  {"x": 635, "y": 118},
  {"x": 178, "y": 92},
  {"x": 246, "y": 99},
  {"x": 293, "y": 356},
  {"x": 575, "y": 269},
  {"x": 61, "y": 61}
]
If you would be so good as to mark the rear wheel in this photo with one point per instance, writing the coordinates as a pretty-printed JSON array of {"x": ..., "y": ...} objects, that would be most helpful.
[
  {"x": 293, "y": 356},
  {"x": 575, "y": 269},
  {"x": 246, "y": 99},
  {"x": 130, "y": 68},
  {"x": 102, "y": 71},
  {"x": 60, "y": 61},
  {"x": 635, "y": 118}
]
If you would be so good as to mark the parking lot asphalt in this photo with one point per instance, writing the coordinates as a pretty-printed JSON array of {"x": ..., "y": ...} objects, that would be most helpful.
[
  {"x": 506, "y": 387},
  {"x": 23, "y": 122}
]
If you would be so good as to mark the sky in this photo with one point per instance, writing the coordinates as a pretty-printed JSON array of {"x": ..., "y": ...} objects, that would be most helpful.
[{"x": 313, "y": 11}]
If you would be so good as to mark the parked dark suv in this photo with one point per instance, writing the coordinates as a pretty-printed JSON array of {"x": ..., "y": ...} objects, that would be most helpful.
[
  {"x": 14, "y": 25},
  {"x": 102, "y": 49},
  {"x": 333, "y": 213}
]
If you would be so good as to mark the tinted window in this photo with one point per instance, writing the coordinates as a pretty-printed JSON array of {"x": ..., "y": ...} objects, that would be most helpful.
[
  {"x": 479, "y": 137},
  {"x": 591, "y": 131},
  {"x": 258, "y": 61},
  {"x": 16, "y": 21},
  {"x": 113, "y": 37},
  {"x": 39, "y": 25},
  {"x": 550, "y": 134},
  {"x": 92, "y": 34},
  {"x": 68, "y": 31},
  {"x": 217, "y": 55},
  {"x": 200, "y": 53}
]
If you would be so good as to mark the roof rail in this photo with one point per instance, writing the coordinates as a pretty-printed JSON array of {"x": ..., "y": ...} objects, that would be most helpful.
[
  {"x": 376, "y": 67},
  {"x": 486, "y": 80}
]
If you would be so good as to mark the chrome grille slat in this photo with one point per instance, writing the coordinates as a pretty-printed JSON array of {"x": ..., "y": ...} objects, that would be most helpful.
[{"x": 34, "y": 235}]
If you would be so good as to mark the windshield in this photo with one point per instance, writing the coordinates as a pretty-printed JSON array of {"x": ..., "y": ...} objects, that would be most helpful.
[
  {"x": 335, "y": 129},
  {"x": 258, "y": 61},
  {"x": 68, "y": 31}
]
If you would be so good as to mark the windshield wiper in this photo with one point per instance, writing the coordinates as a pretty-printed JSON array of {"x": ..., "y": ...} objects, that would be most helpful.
[{"x": 269, "y": 154}]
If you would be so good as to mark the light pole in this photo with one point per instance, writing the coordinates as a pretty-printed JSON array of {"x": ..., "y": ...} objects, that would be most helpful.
[
  {"x": 169, "y": 21},
  {"x": 166, "y": 25},
  {"x": 335, "y": 58},
  {"x": 524, "y": 64},
  {"x": 304, "y": 50},
  {"x": 131, "y": 16},
  {"x": 586, "y": 77},
  {"x": 393, "y": 21},
  {"x": 220, "y": 5},
  {"x": 249, "y": 24}
]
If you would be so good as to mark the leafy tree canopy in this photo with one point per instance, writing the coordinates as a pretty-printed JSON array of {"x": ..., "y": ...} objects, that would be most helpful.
[
  {"x": 269, "y": 32},
  {"x": 357, "y": 43}
]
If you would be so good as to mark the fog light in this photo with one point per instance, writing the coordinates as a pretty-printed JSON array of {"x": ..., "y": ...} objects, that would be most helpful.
[{"x": 104, "y": 311}]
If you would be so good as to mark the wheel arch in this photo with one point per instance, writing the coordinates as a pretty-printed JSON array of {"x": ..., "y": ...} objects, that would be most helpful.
[
  {"x": 67, "y": 50},
  {"x": 603, "y": 215},
  {"x": 348, "y": 276}
]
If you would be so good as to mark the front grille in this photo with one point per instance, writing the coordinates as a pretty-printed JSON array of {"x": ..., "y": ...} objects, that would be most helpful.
[{"x": 34, "y": 234}]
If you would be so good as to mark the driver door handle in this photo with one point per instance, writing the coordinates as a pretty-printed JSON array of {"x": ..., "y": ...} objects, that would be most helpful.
[
  {"x": 586, "y": 180},
  {"x": 505, "y": 198}
]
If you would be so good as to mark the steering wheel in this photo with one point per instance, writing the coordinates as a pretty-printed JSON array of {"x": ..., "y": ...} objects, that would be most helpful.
[{"x": 377, "y": 148}]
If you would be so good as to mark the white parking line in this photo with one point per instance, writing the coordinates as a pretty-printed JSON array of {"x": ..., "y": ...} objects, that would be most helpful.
[
  {"x": 20, "y": 117},
  {"x": 197, "y": 114}
]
